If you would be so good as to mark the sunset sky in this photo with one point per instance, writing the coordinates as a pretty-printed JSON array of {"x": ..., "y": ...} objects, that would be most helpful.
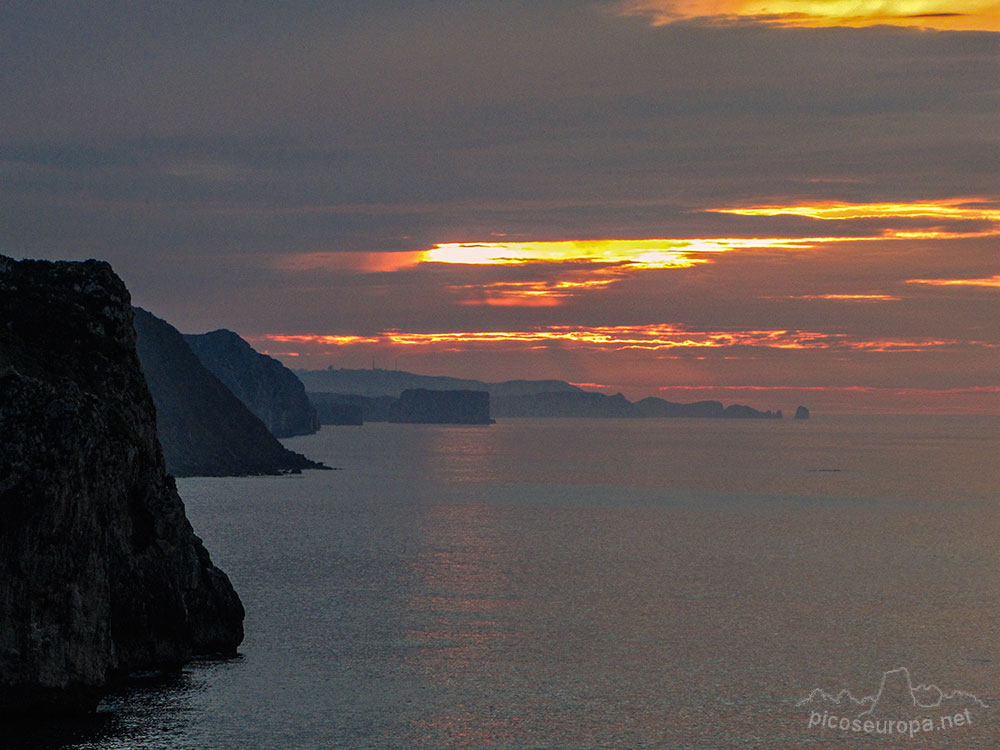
[{"x": 771, "y": 203}]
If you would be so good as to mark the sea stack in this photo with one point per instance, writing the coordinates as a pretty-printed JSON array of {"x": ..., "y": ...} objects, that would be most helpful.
[
  {"x": 101, "y": 573},
  {"x": 802, "y": 413}
]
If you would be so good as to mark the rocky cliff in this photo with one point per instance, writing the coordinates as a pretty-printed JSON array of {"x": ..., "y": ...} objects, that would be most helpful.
[
  {"x": 100, "y": 571},
  {"x": 268, "y": 389},
  {"x": 205, "y": 430},
  {"x": 423, "y": 406}
]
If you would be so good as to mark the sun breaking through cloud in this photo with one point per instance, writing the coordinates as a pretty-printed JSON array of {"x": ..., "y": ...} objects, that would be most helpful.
[
  {"x": 962, "y": 15},
  {"x": 992, "y": 281}
]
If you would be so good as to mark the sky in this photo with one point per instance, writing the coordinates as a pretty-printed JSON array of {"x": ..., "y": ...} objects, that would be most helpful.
[{"x": 769, "y": 203}]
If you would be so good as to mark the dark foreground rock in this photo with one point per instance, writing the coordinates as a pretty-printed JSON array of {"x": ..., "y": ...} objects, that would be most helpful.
[
  {"x": 266, "y": 387},
  {"x": 205, "y": 430},
  {"x": 100, "y": 572}
]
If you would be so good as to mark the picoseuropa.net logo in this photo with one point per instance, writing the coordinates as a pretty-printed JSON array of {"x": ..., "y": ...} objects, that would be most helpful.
[{"x": 899, "y": 709}]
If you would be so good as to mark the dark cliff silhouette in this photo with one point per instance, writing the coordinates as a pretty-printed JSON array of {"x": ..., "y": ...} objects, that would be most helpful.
[
  {"x": 373, "y": 391},
  {"x": 423, "y": 406},
  {"x": 351, "y": 408},
  {"x": 205, "y": 430},
  {"x": 590, "y": 404},
  {"x": 375, "y": 382},
  {"x": 268, "y": 389},
  {"x": 100, "y": 572}
]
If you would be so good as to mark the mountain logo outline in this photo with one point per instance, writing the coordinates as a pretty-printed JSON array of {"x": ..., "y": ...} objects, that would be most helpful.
[{"x": 896, "y": 692}]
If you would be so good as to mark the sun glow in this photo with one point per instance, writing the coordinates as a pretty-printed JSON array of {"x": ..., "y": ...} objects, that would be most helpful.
[
  {"x": 637, "y": 254},
  {"x": 952, "y": 209},
  {"x": 657, "y": 337},
  {"x": 992, "y": 281},
  {"x": 560, "y": 270},
  {"x": 982, "y": 15}
]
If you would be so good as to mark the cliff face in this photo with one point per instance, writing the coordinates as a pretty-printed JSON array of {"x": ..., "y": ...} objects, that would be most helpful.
[
  {"x": 419, "y": 405},
  {"x": 205, "y": 430},
  {"x": 269, "y": 389},
  {"x": 100, "y": 571}
]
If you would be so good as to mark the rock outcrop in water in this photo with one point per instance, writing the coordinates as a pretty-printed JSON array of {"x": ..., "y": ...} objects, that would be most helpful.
[
  {"x": 266, "y": 387},
  {"x": 205, "y": 430},
  {"x": 423, "y": 406},
  {"x": 739, "y": 411},
  {"x": 100, "y": 571},
  {"x": 802, "y": 413}
]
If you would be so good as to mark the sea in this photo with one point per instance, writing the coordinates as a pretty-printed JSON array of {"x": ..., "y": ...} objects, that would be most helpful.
[{"x": 577, "y": 583}]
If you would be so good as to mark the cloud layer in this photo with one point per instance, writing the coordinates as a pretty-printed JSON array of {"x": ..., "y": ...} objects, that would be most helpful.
[{"x": 335, "y": 168}]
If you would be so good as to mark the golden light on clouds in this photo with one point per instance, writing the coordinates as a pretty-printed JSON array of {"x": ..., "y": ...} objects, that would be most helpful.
[
  {"x": 961, "y": 15},
  {"x": 846, "y": 297},
  {"x": 951, "y": 209},
  {"x": 559, "y": 270},
  {"x": 527, "y": 293},
  {"x": 655, "y": 253},
  {"x": 657, "y": 337},
  {"x": 992, "y": 281}
]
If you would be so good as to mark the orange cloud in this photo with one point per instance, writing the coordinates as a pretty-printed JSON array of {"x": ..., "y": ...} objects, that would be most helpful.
[
  {"x": 980, "y": 15},
  {"x": 596, "y": 264},
  {"x": 529, "y": 293},
  {"x": 844, "y": 297},
  {"x": 992, "y": 281},
  {"x": 649, "y": 253},
  {"x": 347, "y": 261},
  {"x": 658, "y": 337},
  {"x": 952, "y": 209}
]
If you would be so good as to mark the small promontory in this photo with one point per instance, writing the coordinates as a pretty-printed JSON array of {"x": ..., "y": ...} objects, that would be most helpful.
[{"x": 101, "y": 573}]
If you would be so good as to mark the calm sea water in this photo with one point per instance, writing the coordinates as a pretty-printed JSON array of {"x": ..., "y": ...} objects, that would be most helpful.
[{"x": 592, "y": 584}]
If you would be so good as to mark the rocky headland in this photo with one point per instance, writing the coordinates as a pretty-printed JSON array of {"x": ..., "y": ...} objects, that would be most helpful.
[
  {"x": 338, "y": 394},
  {"x": 265, "y": 386},
  {"x": 205, "y": 430}
]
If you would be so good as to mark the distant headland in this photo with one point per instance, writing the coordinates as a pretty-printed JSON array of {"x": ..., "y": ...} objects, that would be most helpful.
[{"x": 349, "y": 396}]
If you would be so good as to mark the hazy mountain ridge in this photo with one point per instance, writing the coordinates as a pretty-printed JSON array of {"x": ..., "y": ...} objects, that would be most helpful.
[
  {"x": 373, "y": 391},
  {"x": 376, "y": 382}
]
